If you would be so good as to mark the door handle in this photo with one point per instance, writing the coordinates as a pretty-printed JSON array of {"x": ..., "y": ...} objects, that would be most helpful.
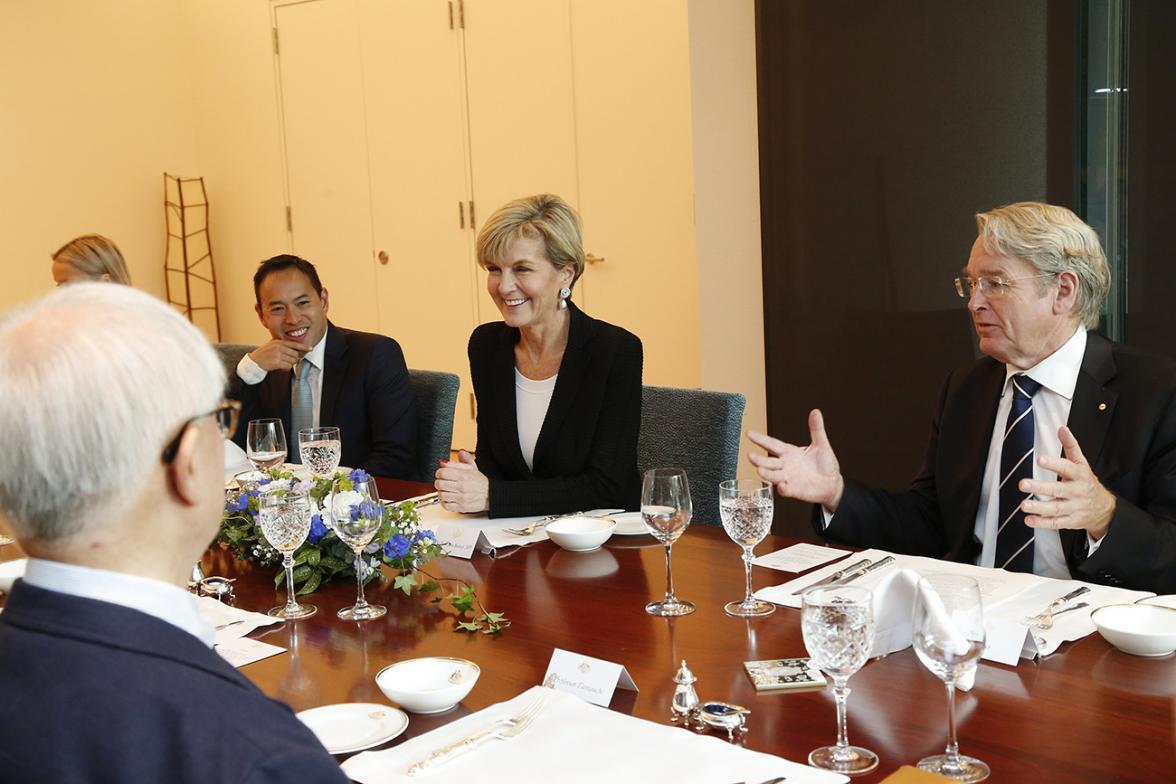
[
  {"x": 382, "y": 256},
  {"x": 594, "y": 259}
]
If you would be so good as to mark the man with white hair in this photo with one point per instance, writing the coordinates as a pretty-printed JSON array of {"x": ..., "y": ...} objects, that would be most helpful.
[
  {"x": 111, "y": 479},
  {"x": 1054, "y": 454}
]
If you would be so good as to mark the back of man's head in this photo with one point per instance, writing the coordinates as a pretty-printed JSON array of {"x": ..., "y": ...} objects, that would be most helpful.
[{"x": 94, "y": 381}]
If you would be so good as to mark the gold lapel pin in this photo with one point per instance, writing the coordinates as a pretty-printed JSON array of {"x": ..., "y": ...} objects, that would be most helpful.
[{"x": 1102, "y": 406}]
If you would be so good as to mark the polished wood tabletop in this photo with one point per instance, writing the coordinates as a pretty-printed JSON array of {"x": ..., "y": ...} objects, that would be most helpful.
[{"x": 1088, "y": 713}]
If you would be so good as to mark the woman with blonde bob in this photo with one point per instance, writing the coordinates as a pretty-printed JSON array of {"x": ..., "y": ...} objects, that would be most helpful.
[
  {"x": 559, "y": 392},
  {"x": 89, "y": 257}
]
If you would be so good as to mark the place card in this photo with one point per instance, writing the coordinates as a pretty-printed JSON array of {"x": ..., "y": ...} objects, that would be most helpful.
[
  {"x": 799, "y": 557},
  {"x": 246, "y": 650},
  {"x": 593, "y": 680},
  {"x": 1007, "y": 642},
  {"x": 457, "y": 540}
]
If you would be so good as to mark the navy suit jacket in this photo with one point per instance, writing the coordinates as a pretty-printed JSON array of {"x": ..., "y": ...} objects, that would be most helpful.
[
  {"x": 1124, "y": 417},
  {"x": 96, "y": 692},
  {"x": 366, "y": 394},
  {"x": 586, "y": 454}
]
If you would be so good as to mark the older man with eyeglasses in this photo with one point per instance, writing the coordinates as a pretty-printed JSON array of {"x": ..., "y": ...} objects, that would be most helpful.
[
  {"x": 111, "y": 478},
  {"x": 1055, "y": 454}
]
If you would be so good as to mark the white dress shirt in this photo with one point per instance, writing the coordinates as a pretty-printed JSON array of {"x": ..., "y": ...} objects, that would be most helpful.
[
  {"x": 532, "y": 399},
  {"x": 252, "y": 373},
  {"x": 156, "y": 598},
  {"x": 1058, "y": 375}
]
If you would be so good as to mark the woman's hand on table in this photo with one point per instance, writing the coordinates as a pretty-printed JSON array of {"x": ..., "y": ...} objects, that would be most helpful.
[{"x": 461, "y": 486}]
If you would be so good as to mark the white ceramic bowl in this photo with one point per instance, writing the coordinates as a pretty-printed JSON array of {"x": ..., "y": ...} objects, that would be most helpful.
[
  {"x": 581, "y": 534},
  {"x": 1163, "y": 600},
  {"x": 1139, "y": 629},
  {"x": 430, "y": 685}
]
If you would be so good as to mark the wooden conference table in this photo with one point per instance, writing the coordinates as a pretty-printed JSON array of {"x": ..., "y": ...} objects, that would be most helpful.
[{"x": 1088, "y": 713}]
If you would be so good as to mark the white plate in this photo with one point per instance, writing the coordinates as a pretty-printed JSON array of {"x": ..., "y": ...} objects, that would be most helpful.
[
  {"x": 1164, "y": 600},
  {"x": 353, "y": 726},
  {"x": 629, "y": 524}
]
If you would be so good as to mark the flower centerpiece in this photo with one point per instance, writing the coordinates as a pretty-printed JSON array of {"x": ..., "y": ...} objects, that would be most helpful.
[{"x": 400, "y": 542}]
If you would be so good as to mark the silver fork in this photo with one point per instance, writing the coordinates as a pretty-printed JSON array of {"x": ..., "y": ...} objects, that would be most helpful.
[
  {"x": 504, "y": 729},
  {"x": 1046, "y": 622},
  {"x": 538, "y": 523}
]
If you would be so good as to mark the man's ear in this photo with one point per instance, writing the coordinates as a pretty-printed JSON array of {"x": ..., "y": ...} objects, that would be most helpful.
[
  {"x": 326, "y": 303},
  {"x": 183, "y": 469},
  {"x": 1066, "y": 298},
  {"x": 260, "y": 317}
]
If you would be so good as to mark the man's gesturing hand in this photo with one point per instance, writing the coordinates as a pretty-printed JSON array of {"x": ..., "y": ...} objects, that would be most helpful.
[
  {"x": 1076, "y": 500},
  {"x": 278, "y": 355},
  {"x": 808, "y": 473}
]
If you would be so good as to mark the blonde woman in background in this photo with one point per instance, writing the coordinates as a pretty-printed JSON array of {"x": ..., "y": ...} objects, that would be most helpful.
[{"x": 89, "y": 257}]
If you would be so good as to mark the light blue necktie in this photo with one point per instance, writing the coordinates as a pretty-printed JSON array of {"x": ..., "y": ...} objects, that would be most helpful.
[{"x": 301, "y": 405}]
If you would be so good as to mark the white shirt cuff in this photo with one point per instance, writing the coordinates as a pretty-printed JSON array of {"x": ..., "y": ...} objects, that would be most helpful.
[
  {"x": 1093, "y": 544},
  {"x": 827, "y": 515},
  {"x": 249, "y": 371}
]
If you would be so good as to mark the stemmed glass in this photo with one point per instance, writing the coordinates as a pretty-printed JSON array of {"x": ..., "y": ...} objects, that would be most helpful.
[
  {"x": 665, "y": 507},
  {"x": 838, "y": 626},
  {"x": 947, "y": 630},
  {"x": 320, "y": 449},
  {"x": 356, "y": 515},
  {"x": 285, "y": 520},
  {"x": 745, "y": 506},
  {"x": 265, "y": 443}
]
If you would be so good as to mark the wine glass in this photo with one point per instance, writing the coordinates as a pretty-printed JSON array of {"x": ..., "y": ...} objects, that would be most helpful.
[
  {"x": 356, "y": 515},
  {"x": 265, "y": 443},
  {"x": 745, "y": 506},
  {"x": 665, "y": 507},
  {"x": 947, "y": 631},
  {"x": 320, "y": 449},
  {"x": 838, "y": 626},
  {"x": 285, "y": 520}
]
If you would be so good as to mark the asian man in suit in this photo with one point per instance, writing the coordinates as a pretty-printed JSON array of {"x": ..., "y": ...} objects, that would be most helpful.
[
  {"x": 1053, "y": 454},
  {"x": 111, "y": 478},
  {"x": 314, "y": 374}
]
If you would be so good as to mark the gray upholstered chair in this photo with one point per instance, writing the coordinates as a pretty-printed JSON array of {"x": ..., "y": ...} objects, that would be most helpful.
[
  {"x": 436, "y": 400},
  {"x": 696, "y": 430},
  {"x": 231, "y": 353}
]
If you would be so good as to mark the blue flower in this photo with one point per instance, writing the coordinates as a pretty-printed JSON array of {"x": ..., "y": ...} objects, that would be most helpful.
[
  {"x": 369, "y": 510},
  {"x": 264, "y": 482},
  {"x": 423, "y": 534},
  {"x": 241, "y": 504},
  {"x": 317, "y": 529},
  {"x": 358, "y": 475},
  {"x": 397, "y": 546}
]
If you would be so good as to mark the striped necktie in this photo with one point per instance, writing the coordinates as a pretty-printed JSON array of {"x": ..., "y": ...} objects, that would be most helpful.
[
  {"x": 301, "y": 405},
  {"x": 1014, "y": 539}
]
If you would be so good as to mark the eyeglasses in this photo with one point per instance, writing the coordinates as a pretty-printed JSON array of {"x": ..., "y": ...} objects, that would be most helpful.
[
  {"x": 227, "y": 414},
  {"x": 990, "y": 286}
]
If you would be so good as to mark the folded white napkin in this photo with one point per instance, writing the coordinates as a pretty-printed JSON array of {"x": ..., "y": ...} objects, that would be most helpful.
[
  {"x": 235, "y": 460},
  {"x": 573, "y": 742},
  {"x": 10, "y": 572},
  {"x": 233, "y": 621}
]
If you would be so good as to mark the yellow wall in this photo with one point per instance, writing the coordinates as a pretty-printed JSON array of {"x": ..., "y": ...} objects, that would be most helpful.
[
  {"x": 726, "y": 204},
  {"x": 95, "y": 107}
]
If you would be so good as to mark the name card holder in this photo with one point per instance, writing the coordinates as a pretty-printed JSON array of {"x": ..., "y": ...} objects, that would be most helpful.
[{"x": 592, "y": 680}]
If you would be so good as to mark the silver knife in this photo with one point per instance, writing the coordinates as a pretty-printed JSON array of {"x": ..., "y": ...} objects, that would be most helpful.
[
  {"x": 867, "y": 569},
  {"x": 835, "y": 576}
]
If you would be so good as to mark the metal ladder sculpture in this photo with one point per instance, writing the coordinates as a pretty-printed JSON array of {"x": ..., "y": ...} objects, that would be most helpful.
[{"x": 188, "y": 268}]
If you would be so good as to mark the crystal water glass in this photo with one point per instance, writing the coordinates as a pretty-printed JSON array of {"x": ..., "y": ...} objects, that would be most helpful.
[
  {"x": 320, "y": 449},
  {"x": 265, "y": 443},
  {"x": 284, "y": 517},
  {"x": 947, "y": 631},
  {"x": 356, "y": 515},
  {"x": 666, "y": 510},
  {"x": 745, "y": 507},
  {"x": 838, "y": 626}
]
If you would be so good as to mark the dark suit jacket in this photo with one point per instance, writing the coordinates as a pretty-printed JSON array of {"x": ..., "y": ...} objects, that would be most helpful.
[
  {"x": 366, "y": 394},
  {"x": 96, "y": 692},
  {"x": 1124, "y": 418},
  {"x": 586, "y": 454}
]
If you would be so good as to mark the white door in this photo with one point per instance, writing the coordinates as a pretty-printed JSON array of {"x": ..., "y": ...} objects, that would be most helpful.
[
  {"x": 327, "y": 154},
  {"x": 635, "y": 162},
  {"x": 425, "y": 270}
]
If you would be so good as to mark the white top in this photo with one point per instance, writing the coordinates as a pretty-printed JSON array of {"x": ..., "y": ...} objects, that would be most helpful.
[
  {"x": 1058, "y": 375},
  {"x": 531, "y": 401},
  {"x": 156, "y": 598},
  {"x": 252, "y": 373}
]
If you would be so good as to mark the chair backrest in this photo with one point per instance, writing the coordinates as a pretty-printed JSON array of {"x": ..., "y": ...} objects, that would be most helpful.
[
  {"x": 231, "y": 353},
  {"x": 696, "y": 430},
  {"x": 436, "y": 401}
]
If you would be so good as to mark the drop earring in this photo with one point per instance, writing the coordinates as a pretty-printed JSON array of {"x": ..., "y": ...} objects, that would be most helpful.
[{"x": 564, "y": 293}]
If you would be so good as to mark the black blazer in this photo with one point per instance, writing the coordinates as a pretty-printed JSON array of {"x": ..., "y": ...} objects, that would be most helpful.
[
  {"x": 1124, "y": 418},
  {"x": 586, "y": 454},
  {"x": 366, "y": 394},
  {"x": 96, "y": 692}
]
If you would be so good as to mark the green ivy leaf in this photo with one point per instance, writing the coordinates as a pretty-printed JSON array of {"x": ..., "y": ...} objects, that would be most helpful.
[
  {"x": 404, "y": 582},
  {"x": 311, "y": 585},
  {"x": 468, "y": 626}
]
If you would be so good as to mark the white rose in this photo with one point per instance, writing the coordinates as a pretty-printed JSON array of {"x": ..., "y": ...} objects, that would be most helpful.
[{"x": 342, "y": 502}]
